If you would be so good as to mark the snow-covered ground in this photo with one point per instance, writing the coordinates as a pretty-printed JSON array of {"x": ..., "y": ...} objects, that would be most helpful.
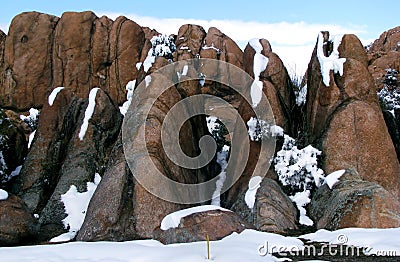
[{"x": 250, "y": 245}]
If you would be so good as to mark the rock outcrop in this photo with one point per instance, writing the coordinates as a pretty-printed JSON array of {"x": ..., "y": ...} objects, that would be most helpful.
[
  {"x": 81, "y": 132},
  {"x": 346, "y": 121}
]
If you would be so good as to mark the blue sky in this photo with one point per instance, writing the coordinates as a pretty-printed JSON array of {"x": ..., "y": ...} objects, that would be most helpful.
[{"x": 290, "y": 26}]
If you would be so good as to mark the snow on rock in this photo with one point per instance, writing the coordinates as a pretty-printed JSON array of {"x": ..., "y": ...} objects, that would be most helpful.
[
  {"x": 260, "y": 63},
  {"x": 88, "y": 113},
  {"x": 138, "y": 65},
  {"x": 332, "y": 62},
  {"x": 222, "y": 161},
  {"x": 53, "y": 94},
  {"x": 148, "y": 62},
  {"x": 31, "y": 137},
  {"x": 172, "y": 220},
  {"x": 375, "y": 241},
  {"x": 250, "y": 196},
  {"x": 185, "y": 70},
  {"x": 205, "y": 47},
  {"x": 333, "y": 178},
  {"x": 76, "y": 205},
  {"x": 15, "y": 172},
  {"x": 147, "y": 79},
  {"x": 130, "y": 87},
  {"x": 3, "y": 194},
  {"x": 301, "y": 199}
]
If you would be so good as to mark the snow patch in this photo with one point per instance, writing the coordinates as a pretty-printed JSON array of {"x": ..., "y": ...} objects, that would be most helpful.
[
  {"x": 260, "y": 63},
  {"x": 148, "y": 62},
  {"x": 138, "y": 65},
  {"x": 147, "y": 79},
  {"x": 250, "y": 196},
  {"x": 205, "y": 47},
  {"x": 130, "y": 87},
  {"x": 89, "y": 112},
  {"x": 53, "y": 95},
  {"x": 185, "y": 70},
  {"x": 332, "y": 62},
  {"x": 222, "y": 161},
  {"x": 31, "y": 137},
  {"x": 173, "y": 220},
  {"x": 3, "y": 194},
  {"x": 333, "y": 178},
  {"x": 76, "y": 205},
  {"x": 301, "y": 199}
]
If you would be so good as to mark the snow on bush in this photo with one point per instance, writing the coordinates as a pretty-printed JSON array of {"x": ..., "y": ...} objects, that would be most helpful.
[
  {"x": 260, "y": 128},
  {"x": 163, "y": 45},
  {"x": 297, "y": 169},
  {"x": 332, "y": 62},
  {"x": 32, "y": 119},
  {"x": 298, "y": 172},
  {"x": 76, "y": 205},
  {"x": 301, "y": 95},
  {"x": 389, "y": 95}
]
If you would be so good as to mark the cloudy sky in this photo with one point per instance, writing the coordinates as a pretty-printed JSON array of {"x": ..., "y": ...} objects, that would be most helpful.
[{"x": 291, "y": 26}]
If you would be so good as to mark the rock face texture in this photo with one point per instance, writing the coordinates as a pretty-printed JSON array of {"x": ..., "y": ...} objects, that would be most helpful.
[
  {"x": 17, "y": 224},
  {"x": 346, "y": 119},
  {"x": 79, "y": 132},
  {"x": 216, "y": 224},
  {"x": 78, "y": 50},
  {"x": 355, "y": 203}
]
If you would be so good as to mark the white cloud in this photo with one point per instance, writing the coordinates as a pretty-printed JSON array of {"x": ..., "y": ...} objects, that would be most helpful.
[{"x": 4, "y": 27}]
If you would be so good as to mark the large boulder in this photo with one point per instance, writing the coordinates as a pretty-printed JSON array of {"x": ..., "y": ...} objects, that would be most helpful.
[
  {"x": 344, "y": 119},
  {"x": 353, "y": 202},
  {"x": 85, "y": 156},
  {"x": 17, "y": 225},
  {"x": 273, "y": 210},
  {"x": 114, "y": 220},
  {"x": 216, "y": 224},
  {"x": 26, "y": 75},
  {"x": 40, "y": 172}
]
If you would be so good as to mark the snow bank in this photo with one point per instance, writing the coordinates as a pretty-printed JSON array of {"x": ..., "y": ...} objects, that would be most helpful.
[
  {"x": 76, "y": 205},
  {"x": 332, "y": 62},
  {"x": 377, "y": 241},
  {"x": 172, "y": 220},
  {"x": 53, "y": 95},
  {"x": 250, "y": 196},
  {"x": 89, "y": 112},
  {"x": 333, "y": 178},
  {"x": 260, "y": 63},
  {"x": 3, "y": 194},
  {"x": 245, "y": 246}
]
